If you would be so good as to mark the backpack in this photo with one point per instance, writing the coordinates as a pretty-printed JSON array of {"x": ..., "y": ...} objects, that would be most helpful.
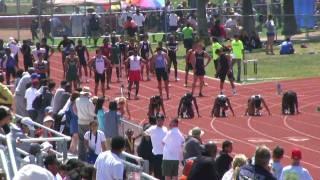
[{"x": 94, "y": 23}]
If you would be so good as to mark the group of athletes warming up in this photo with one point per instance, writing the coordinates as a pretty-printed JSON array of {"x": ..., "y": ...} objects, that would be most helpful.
[{"x": 139, "y": 58}]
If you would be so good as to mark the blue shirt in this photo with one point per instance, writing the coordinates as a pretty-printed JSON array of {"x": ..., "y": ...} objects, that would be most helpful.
[
  {"x": 112, "y": 121},
  {"x": 160, "y": 61},
  {"x": 286, "y": 47},
  {"x": 101, "y": 120}
]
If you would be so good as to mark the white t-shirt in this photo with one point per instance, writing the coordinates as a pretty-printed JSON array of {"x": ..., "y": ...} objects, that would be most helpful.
[
  {"x": 228, "y": 175},
  {"x": 35, "y": 53},
  {"x": 157, "y": 134},
  {"x": 295, "y": 172},
  {"x": 92, "y": 141},
  {"x": 31, "y": 94},
  {"x": 135, "y": 63},
  {"x": 139, "y": 19},
  {"x": 109, "y": 166},
  {"x": 173, "y": 19},
  {"x": 100, "y": 65},
  {"x": 173, "y": 145}
]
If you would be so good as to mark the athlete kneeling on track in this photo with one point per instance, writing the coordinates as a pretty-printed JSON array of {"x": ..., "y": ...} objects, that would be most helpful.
[
  {"x": 220, "y": 106},
  {"x": 156, "y": 102},
  {"x": 254, "y": 105},
  {"x": 185, "y": 109},
  {"x": 290, "y": 103}
]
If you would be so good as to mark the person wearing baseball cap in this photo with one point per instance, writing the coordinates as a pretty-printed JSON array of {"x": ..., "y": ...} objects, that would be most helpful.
[{"x": 295, "y": 170}]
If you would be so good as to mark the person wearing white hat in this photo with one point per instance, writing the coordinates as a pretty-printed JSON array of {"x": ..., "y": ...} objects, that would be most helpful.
[
  {"x": 193, "y": 146},
  {"x": 85, "y": 110},
  {"x": 33, "y": 172}
]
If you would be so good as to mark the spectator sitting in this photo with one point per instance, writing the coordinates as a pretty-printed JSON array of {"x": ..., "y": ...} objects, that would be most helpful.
[
  {"x": 47, "y": 122},
  {"x": 286, "y": 47}
]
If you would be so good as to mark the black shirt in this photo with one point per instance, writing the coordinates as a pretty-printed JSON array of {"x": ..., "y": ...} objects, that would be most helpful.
[
  {"x": 66, "y": 43},
  {"x": 26, "y": 51},
  {"x": 223, "y": 62},
  {"x": 255, "y": 172},
  {"x": 203, "y": 168},
  {"x": 80, "y": 52},
  {"x": 223, "y": 162}
]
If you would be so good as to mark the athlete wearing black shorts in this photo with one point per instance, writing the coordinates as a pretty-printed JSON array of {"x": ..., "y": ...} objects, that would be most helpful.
[
  {"x": 145, "y": 50},
  {"x": 66, "y": 44},
  {"x": 172, "y": 46},
  {"x": 185, "y": 109},
  {"x": 220, "y": 106},
  {"x": 254, "y": 105},
  {"x": 225, "y": 69},
  {"x": 290, "y": 103},
  {"x": 155, "y": 105},
  {"x": 82, "y": 51}
]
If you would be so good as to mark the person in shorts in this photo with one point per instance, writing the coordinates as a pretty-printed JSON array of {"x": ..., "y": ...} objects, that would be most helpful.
[
  {"x": 172, "y": 46},
  {"x": 159, "y": 64},
  {"x": 185, "y": 109},
  {"x": 155, "y": 103},
  {"x": 72, "y": 66},
  {"x": 99, "y": 64},
  {"x": 197, "y": 60},
  {"x": 225, "y": 69},
  {"x": 145, "y": 51},
  {"x": 134, "y": 63},
  {"x": 290, "y": 103},
  {"x": 83, "y": 55},
  {"x": 115, "y": 59},
  {"x": 254, "y": 105},
  {"x": 188, "y": 66},
  {"x": 220, "y": 106},
  {"x": 187, "y": 32},
  {"x": 172, "y": 150},
  {"x": 66, "y": 44}
]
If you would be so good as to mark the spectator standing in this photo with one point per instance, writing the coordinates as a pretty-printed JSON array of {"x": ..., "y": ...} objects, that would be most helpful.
[
  {"x": 187, "y": 32},
  {"x": 139, "y": 19},
  {"x": 46, "y": 27},
  {"x": 26, "y": 52},
  {"x": 204, "y": 167},
  {"x": 173, "y": 21},
  {"x": 157, "y": 133},
  {"x": 109, "y": 165},
  {"x": 112, "y": 122},
  {"x": 58, "y": 100},
  {"x": 14, "y": 48},
  {"x": 30, "y": 95},
  {"x": 94, "y": 27},
  {"x": 20, "y": 92},
  {"x": 215, "y": 46},
  {"x": 238, "y": 54},
  {"x": 276, "y": 165},
  {"x": 131, "y": 26},
  {"x": 238, "y": 161},
  {"x": 295, "y": 170},
  {"x": 99, "y": 110},
  {"x": 51, "y": 163},
  {"x": 271, "y": 32},
  {"x": 6, "y": 97},
  {"x": 193, "y": 146},
  {"x": 72, "y": 117},
  {"x": 77, "y": 21},
  {"x": 10, "y": 65},
  {"x": 34, "y": 28},
  {"x": 85, "y": 112},
  {"x": 224, "y": 159},
  {"x": 260, "y": 168},
  {"x": 172, "y": 151},
  {"x": 95, "y": 142}
]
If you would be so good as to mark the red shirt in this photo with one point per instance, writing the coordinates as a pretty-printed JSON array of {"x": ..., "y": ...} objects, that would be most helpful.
[{"x": 106, "y": 50}]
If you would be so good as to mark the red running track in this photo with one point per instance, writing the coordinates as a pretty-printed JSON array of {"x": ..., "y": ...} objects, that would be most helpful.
[{"x": 301, "y": 131}]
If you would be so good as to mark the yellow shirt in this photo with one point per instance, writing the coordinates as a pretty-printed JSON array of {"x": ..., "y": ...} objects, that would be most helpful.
[
  {"x": 214, "y": 47},
  {"x": 5, "y": 91},
  {"x": 237, "y": 48}
]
